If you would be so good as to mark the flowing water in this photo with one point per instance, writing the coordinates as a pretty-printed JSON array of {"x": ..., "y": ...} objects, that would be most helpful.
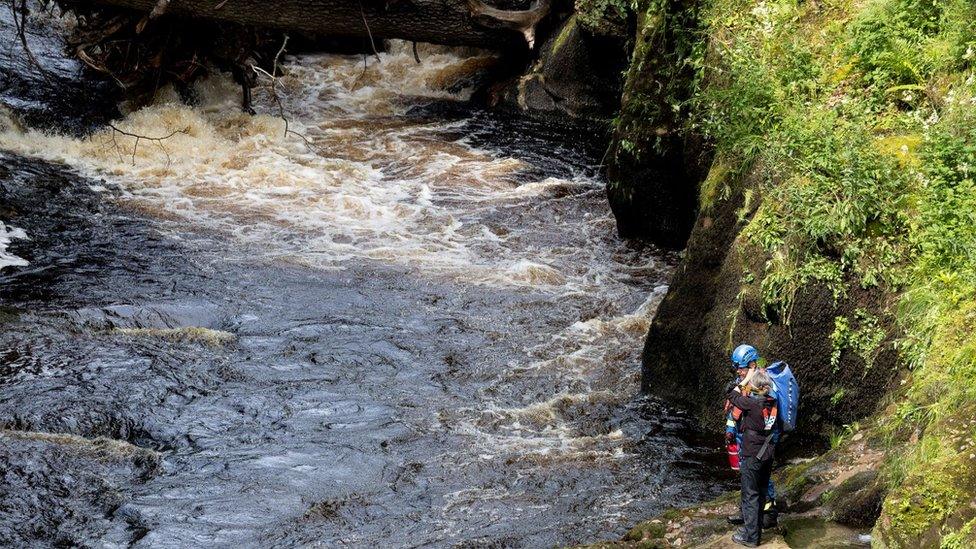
[{"x": 394, "y": 321}]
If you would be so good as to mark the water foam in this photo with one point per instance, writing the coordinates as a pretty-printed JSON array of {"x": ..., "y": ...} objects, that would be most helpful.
[
  {"x": 7, "y": 235},
  {"x": 592, "y": 356},
  {"x": 349, "y": 177}
]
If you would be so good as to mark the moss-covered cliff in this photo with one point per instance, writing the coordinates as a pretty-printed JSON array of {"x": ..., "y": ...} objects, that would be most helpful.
[
  {"x": 837, "y": 224},
  {"x": 654, "y": 164}
]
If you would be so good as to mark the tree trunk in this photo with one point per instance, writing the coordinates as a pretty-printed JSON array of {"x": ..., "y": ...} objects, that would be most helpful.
[{"x": 448, "y": 22}]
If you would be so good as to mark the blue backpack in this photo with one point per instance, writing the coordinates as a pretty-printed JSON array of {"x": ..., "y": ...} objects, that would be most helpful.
[{"x": 787, "y": 393}]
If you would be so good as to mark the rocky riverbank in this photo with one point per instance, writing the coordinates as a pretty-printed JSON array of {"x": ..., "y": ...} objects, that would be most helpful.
[{"x": 833, "y": 224}]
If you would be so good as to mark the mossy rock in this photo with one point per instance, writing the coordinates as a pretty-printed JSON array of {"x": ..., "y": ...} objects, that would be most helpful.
[
  {"x": 857, "y": 501},
  {"x": 934, "y": 502},
  {"x": 576, "y": 75},
  {"x": 646, "y": 531}
]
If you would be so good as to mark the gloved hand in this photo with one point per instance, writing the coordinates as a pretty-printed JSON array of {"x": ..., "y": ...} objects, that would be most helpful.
[{"x": 729, "y": 438}]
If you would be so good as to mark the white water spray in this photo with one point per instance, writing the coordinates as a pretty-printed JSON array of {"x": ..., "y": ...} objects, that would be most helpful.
[{"x": 7, "y": 235}]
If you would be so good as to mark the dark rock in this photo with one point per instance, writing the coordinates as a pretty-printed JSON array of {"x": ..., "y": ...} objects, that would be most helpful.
[
  {"x": 654, "y": 165},
  {"x": 577, "y": 74},
  {"x": 857, "y": 501},
  {"x": 713, "y": 304}
]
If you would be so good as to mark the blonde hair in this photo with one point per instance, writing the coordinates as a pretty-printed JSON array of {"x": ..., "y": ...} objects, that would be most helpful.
[{"x": 761, "y": 382}]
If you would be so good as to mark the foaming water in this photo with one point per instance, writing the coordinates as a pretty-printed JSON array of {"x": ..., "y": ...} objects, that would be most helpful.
[
  {"x": 398, "y": 322},
  {"x": 353, "y": 177},
  {"x": 7, "y": 235}
]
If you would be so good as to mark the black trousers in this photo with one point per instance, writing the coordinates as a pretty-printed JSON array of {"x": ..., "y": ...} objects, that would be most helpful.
[{"x": 755, "y": 477}]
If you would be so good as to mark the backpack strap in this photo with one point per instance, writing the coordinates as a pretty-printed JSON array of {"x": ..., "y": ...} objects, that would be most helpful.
[
  {"x": 762, "y": 451},
  {"x": 770, "y": 416}
]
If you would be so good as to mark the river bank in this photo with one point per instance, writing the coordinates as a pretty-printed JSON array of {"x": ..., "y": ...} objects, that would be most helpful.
[{"x": 829, "y": 147}]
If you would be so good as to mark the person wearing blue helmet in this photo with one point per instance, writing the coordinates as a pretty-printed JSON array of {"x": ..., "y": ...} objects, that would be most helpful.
[{"x": 745, "y": 358}]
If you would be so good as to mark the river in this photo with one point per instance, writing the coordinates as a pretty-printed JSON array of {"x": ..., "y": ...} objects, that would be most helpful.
[{"x": 405, "y": 322}]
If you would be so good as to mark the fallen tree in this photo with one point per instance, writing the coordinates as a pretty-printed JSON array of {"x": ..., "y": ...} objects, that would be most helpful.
[{"x": 447, "y": 22}]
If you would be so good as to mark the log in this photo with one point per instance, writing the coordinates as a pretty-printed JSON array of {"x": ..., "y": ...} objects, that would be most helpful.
[{"x": 448, "y": 22}]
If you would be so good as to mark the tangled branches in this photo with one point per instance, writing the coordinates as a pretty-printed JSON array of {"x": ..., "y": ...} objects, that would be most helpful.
[
  {"x": 273, "y": 91},
  {"x": 141, "y": 52}
]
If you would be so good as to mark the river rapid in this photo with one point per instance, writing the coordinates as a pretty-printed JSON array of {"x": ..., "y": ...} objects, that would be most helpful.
[{"x": 401, "y": 323}]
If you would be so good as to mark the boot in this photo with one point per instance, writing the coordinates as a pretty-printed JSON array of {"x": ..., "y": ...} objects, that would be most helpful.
[
  {"x": 734, "y": 519},
  {"x": 770, "y": 518},
  {"x": 737, "y": 538}
]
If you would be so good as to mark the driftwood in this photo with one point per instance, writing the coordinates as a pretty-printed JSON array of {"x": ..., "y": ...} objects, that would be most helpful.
[{"x": 448, "y": 22}]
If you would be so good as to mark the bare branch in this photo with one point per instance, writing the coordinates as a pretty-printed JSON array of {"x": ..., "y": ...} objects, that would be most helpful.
[
  {"x": 281, "y": 50},
  {"x": 368, "y": 32},
  {"x": 273, "y": 77},
  {"x": 158, "y": 9},
  {"x": 355, "y": 84},
  {"x": 137, "y": 137}
]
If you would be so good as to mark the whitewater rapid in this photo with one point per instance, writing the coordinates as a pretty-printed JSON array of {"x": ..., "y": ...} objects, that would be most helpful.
[{"x": 354, "y": 177}]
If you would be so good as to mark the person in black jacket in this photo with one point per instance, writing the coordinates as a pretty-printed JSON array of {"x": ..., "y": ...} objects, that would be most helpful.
[{"x": 752, "y": 396}]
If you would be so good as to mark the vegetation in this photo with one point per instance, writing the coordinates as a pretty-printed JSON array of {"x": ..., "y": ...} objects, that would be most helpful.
[
  {"x": 603, "y": 17},
  {"x": 853, "y": 122}
]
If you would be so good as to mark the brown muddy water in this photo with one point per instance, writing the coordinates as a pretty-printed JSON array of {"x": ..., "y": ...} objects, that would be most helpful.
[{"x": 412, "y": 326}]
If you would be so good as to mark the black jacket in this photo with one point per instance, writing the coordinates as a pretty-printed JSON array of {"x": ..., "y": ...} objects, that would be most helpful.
[{"x": 756, "y": 423}]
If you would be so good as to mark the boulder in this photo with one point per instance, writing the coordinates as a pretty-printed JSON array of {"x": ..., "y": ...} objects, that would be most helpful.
[{"x": 576, "y": 74}]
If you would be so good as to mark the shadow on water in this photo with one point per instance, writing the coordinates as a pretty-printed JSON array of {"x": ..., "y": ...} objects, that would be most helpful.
[{"x": 185, "y": 388}]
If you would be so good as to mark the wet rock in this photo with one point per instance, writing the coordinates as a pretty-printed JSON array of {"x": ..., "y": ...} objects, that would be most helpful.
[
  {"x": 472, "y": 73},
  {"x": 714, "y": 303},
  {"x": 857, "y": 502},
  {"x": 577, "y": 74}
]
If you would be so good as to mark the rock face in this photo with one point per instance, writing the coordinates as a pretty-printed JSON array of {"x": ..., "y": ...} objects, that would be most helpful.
[
  {"x": 653, "y": 166},
  {"x": 577, "y": 74},
  {"x": 713, "y": 304},
  {"x": 662, "y": 183}
]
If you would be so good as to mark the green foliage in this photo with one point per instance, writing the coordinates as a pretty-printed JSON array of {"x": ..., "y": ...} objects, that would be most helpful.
[
  {"x": 603, "y": 17},
  {"x": 656, "y": 86},
  {"x": 863, "y": 336},
  {"x": 840, "y": 436},
  {"x": 887, "y": 42},
  {"x": 934, "y": 482},
  {"x": 783, "y": 279},
  {"x": 898, "y": 45},
  {"x": 960, "y": 539},
  {"x": 837, "y": 397},
  {"x": 646, "y": 531}
]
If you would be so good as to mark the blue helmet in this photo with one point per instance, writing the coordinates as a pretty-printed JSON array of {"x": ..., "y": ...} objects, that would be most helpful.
[{"x": 744, "y": 354}]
